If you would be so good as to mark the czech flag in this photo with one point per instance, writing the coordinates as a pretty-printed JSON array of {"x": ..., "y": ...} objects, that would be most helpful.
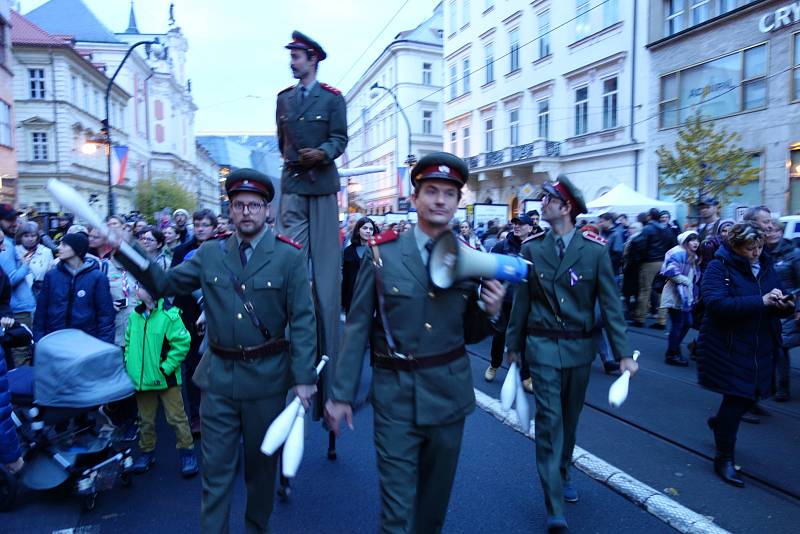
[{"x": 119, "y": 161}]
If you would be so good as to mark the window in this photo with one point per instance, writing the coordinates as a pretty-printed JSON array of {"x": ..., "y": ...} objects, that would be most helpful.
[
  {"x": 543, "y": 21},
  {"x": 487, "y": 5},
  {"x": 726, "y": 5},
  {"x": 583, "y": 26},
  {"x": 513, "y": 127},
  {"x": 465, "y": 141},
  {"x": 453, "y": 81},
  {"x": 717, "y": 88},
  {"x": 610, "y": 13},
  {"x": 610, "y": 103},
  {"x": 41, "y": 207},
  {"x": 513, "y": 53},
  {"x": 5, "y": 124},
  {"x": 453, "y": 17},
  {"x": 39, "y": 146},
  {"x": 85, "y": 97},
  {"x": 3, "y": 45},
  {"x": 453, "y": 141},
  {"x": 36, "y": 77},
  {"x": 465, "y": 74},
  {"x": 427, "y": 122},
  {"x": 673, "y": 16},
  {"x": 427, "y": 74},
  {"x": 488, "y": 141},
  {"x": 581, "y": 110},
  {"x": 796, "y": 70},
  {"x": 543, "y": 118},
  {"x": 96, "y": 103},
  {"x": 488, "y": 52},
  {"x": 74, "y": 90},
  {"x": 701, "y": 11},
  {"x": 464, "y": 12}
]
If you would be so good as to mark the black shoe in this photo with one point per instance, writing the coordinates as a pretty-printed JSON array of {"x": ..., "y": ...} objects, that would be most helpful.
[
  {"x": 726, "y": 470},
  {"x": 656, "y": 326},
  {"x": 331, "y": 446},
  {"x": 284, "y": 489},
  {"x": 557, "y": 523},
  {"x": 782, "y": 396},
  {"x": 674, "y": 359},
  {"x": 751, "y": 418}
]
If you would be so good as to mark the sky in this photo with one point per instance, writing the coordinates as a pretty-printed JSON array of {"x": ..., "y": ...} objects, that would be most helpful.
[{"x": 236, "y": 59}]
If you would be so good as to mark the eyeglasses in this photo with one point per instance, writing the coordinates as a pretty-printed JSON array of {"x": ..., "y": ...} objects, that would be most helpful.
[
  {"x": 147, "y": 239},
  {"x": 252, "y": 207}
]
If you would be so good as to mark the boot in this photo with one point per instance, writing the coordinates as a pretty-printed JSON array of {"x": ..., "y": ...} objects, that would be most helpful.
[
  {"x": 725, "y": 468},
  {"x": 331, "y": 445}
]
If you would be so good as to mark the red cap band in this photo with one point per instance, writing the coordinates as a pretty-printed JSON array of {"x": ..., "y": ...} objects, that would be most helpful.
[
  {"x": 305, "y": 44},
  {"x": 440, "y": 171},
  {"x": 565, "y": 194},
  {"x": 251, "y": 185}
]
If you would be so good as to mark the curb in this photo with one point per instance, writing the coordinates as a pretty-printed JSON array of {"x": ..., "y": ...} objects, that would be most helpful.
[{"x": 654, "y": 502}]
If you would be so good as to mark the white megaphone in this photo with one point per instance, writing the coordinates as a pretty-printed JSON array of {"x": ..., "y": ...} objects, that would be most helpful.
[{"x": 452, "y": 260}]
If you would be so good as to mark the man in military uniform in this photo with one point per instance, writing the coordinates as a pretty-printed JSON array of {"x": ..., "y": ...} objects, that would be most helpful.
[
  {"x": 551, "y": 325},
  {"x": 422, "y": 380},
  {"x": 311, "y": 120},
  {"x": 252, "y": 283}
]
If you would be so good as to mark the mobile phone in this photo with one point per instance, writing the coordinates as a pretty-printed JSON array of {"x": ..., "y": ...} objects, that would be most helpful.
[{"x": 122, "y": 303}]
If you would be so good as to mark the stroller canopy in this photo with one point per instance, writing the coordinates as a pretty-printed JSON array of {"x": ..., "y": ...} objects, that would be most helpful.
[{"x": 75, "y": 370}]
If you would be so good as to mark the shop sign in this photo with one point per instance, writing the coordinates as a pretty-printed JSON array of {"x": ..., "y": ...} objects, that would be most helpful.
[{"x": 781, "y": 17}]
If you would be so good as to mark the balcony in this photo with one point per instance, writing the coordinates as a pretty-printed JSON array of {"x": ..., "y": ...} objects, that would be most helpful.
[{"x": 539, "y": 148}]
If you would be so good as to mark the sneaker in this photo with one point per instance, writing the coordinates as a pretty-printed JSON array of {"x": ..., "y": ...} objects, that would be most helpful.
[
  {"x": 490, "y": 373},
  {"x": 570, "y": 492},
  {"x": 677, "y": 360},
  {"x": 527, "y": 385},
  {"x": 189, "y": 467},
  {"x": 144, "y": 462}
]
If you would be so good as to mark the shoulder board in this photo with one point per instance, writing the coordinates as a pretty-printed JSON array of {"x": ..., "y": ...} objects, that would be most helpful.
[
  {"x": 287, "y": 89},
  {"x": 295, "y": 244},
  {"x": 537, "y": 235},
  {"x": 384, "y": 237},
  {"x": 331, "y": 89},
  {"x": 591, "y": 236}
]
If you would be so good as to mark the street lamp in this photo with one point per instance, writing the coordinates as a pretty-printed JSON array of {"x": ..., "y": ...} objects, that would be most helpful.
[
  {"x": 106, "y": 130},
  {"x": 410, "y": 159}
]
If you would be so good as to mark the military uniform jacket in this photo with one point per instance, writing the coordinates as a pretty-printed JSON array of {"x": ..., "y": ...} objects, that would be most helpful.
[
  {"x": 320, "y": 121},
  {"x": 276, "y": 282},
  {"x": 424, "y": 321},
  {"x": 560, "y": 296}
]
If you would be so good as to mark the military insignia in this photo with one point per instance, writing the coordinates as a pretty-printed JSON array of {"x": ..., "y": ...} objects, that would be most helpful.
[
  {"x": 295, "y": 244},
  {"x": 386, "y": 236},
  {"x": 591, "y": 236},
  {"x": 444, "y": 168},
  {"x": 330, "y": 89}
]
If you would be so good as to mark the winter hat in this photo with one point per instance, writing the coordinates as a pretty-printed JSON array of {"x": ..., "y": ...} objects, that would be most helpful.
[
  {"x": 725, "y": 222},
  {"x": 78, "y": 242},
  {"x": 686, "y": 236}
]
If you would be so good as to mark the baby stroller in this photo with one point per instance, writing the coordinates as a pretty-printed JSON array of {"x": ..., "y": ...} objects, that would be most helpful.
[{"x": 54, "y": 402}]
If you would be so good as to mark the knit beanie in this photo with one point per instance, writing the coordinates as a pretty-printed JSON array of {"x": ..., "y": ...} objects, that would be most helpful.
[{"x": 78, "y": 242}]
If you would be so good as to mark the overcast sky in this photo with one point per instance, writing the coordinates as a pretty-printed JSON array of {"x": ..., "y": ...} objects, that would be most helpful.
[{"x": 236, "y": 59}]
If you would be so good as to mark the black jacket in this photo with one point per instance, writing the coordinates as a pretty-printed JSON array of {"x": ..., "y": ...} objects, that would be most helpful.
[
  {"x": 653, "y": 243},
  {"x": 351, "y": 263}
]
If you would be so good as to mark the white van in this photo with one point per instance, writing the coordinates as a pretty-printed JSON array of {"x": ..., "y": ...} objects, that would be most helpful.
[{"x": 792, "y": 230}]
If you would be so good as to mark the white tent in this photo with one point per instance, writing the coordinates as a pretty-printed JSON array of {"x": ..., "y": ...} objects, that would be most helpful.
[{"x": 623, "y": 199}]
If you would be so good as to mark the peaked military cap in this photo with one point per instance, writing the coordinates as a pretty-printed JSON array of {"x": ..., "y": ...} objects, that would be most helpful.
[
  {"x": 301, "y": 41},
  {"x": 250, "y": 180},
  {"x": 440, "y": 166},
  {"x": 565, "y": 190}
]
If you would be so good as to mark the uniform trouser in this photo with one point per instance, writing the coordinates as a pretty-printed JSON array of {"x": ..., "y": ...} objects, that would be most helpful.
[
  {"x": 647, "y": 274},
  {"x": 416, "y": 468},
  {"x": 225, "y": 422},
  {"x": 172, "y": 401},
  {"x": 559, "y": 395},
  {"x": 314, "y": 222}
]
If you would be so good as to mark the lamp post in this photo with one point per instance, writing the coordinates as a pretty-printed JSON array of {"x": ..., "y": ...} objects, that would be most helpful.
[
  {"x": 106, "y": 131},
  {"x": 410, "y": 159}
]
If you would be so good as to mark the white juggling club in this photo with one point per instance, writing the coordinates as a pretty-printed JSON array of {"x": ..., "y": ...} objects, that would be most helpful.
[
  {"x": 618, "y": 391},
  {"x": 293, "y": 448},
  {"x": 281, "y": 427},
  {"x": 523, "y": 409},
  {"x": 509, "y": 389},
  {"x": 74, "y": 202}
]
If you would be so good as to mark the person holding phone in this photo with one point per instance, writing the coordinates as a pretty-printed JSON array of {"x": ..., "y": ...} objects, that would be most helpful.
[{"x": 740, "y": 335}]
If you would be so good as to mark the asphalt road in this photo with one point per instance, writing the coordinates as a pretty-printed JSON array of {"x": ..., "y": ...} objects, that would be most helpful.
[{"x": 659, "y": 437}]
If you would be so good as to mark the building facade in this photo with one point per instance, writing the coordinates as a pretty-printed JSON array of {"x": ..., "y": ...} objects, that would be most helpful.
[
  {"x": 749, "y": 84},
  {"x": 410, "y": 70},
  {"x": 8, "y": 154},
  {"x": 538, "y": 88},
  {"x": 58, "y": 96}
]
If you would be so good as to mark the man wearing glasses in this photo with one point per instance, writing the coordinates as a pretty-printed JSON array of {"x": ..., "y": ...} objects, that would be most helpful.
[
  {"x": 551, "y": 326},
  {"x": 252, "y": 283}
]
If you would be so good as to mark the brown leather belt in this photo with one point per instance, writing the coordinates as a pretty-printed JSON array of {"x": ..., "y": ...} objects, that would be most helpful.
[
  {"x": 270, "y": 348},
  {"x": 559, "y": 334},
  {"x": 413, "y": 364}
]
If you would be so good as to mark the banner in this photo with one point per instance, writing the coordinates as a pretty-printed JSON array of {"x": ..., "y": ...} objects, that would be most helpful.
[
  {"x": 403, "y": 189},
  {"x": 119, "y": 161}
]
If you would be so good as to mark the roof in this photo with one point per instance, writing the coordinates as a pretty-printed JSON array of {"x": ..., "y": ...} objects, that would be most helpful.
[
  {"x": 71, "y": 17},
  {"x": 430, "y": 31},
  {"x": 25, "y": 32}
]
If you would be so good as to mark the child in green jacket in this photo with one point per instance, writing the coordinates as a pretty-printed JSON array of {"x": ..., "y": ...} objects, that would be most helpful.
[{"x": 156, "y": 342}]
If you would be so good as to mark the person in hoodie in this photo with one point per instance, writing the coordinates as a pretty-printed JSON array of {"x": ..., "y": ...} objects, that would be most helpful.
[
  {"x": 75, "y": 294},
  {"x": 680, "y": 292}
]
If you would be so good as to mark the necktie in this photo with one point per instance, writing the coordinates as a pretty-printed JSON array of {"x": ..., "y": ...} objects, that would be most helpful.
[
  {"x": 243, "y": 246},
  {"x": 428, "y": 248},
  {"x": 302, "y": 94},
  {"x": 560, "y": 245}
]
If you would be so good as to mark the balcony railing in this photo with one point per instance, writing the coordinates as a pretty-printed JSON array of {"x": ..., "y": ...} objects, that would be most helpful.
[{"x": 537, "y": 149}]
